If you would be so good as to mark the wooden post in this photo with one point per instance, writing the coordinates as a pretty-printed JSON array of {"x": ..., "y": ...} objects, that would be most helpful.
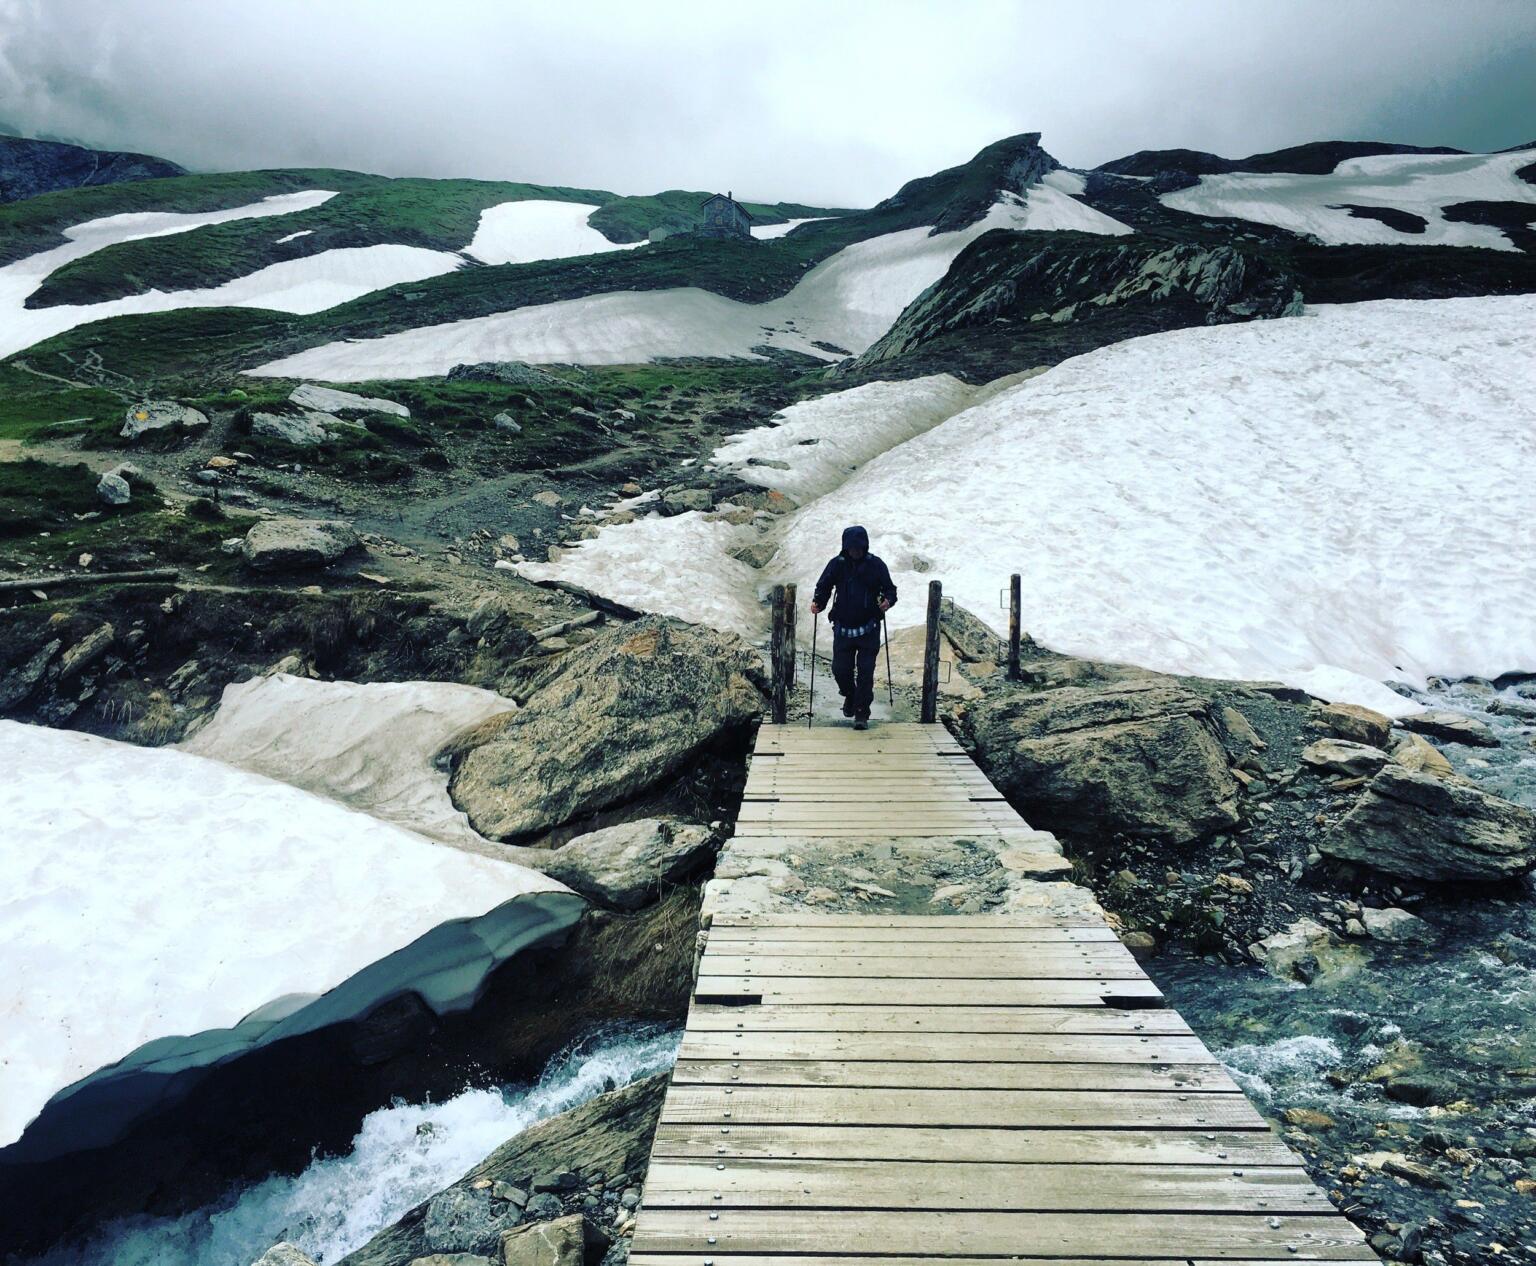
[
  {"x": 930, "y": 712},
  {"x": 1013, "y": 627},
  {"x": 780, "y": 692},
  {"x": 790, "y": 616}
]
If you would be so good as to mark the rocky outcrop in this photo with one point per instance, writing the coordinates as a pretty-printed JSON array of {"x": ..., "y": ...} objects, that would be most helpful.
[
  {"x": 514, "y": 373},
  {"x": 569, "y": 1241},
  {"x": 156, "y": 416},
  {"x": 297, "y": 544},
  {"x": 1434, "y": 829},
  {"x": 284, "y": 1254},
  {"x": 303, "y": 430},
  {"x": 28, "y": 167},
  {"x": 1139, "y": 757},
  {"x": 1450, "y": 727},
  {"x": 1418, "y": 753},
  {"x": 617, "y": 716},
  {"x": 603, "y": 1146},
  {"x": 629, "y": 866}
]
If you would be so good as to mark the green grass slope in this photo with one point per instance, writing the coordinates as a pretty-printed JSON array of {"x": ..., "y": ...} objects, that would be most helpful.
[{"x": 678, "y": 211}]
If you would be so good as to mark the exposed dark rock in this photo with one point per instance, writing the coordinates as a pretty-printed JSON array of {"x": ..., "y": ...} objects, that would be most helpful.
[
  {"x": 1450, "y": 727},
  {"x": 1392, "y": 217},
  {"x": 1515, "y": 219},
  {"x": 28, "y": 168}
]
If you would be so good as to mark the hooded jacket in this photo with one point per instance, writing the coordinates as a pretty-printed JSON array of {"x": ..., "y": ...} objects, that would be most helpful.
[{"x": 859, "y": 585}]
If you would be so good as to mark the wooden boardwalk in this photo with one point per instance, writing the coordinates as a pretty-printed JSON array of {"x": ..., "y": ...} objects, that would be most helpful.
[{"x": 882, "y": 1090}]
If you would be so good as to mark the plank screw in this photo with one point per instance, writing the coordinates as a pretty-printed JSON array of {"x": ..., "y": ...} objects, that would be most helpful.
[
  {"x": 709, "y": 1239},
  {"x": 718, "y": 1165},
  {"x": 714, "y": 1217}
]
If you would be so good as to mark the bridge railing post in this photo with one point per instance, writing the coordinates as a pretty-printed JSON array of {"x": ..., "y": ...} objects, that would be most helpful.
[
  {"x": 1014, "y": 606},
  {"x": 930, "y": 707},
  {"x": 781, "y": 651}
]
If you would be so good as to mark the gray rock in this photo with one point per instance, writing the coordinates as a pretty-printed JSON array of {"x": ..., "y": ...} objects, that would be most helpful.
[
  {"x": 1353, "y": 722},
  {"x": 17, "y": 684},
  {"x": 506, "y": 422},
  {"x": 1140, "y": 757},
  {"x": 489, "y": 617},
  {"x": 513, "y": 372},
  {"x": 1417, "y": 753},
  {"x": 1340, "y": 756},
  {"x": 1417, "y": 826},
  {"x": 329, "y": 400},
  {"x": 284, "y": 1254},
  {"x": 544, "y": 1206},
  {"x": 1303, "y": 951},
  {"x": 453, "y": 1259},
  {"x": 113, "y": 490},
  {"x": 607, "y": 721},
  {"x": 302, "y": 429},
  {"x": 568, "y": 1241},
  {"x": 466, "y": 1220},
  {"x": 1450, "y": 727},
  {"x": 681, "y": 500},
  {"x": 506, "y": 1191},
  {"x": 160, "y": 415},
  {"x": 1397, "y": 926},
  {"x": 293, "y": 544},
  {"x": 628, "y": 866}
]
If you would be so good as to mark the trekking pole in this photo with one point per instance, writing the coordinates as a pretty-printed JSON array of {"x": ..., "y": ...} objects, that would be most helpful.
[
  {"x": 810, "y": 710},
  {"x": 890, "y": 690}
]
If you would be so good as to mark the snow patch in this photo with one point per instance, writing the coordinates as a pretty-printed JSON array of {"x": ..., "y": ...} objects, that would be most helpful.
[
  {"x": 533, "y": 229},
  {"x": 170, "y": 912},
  {"x": 1421, "y": 184},
  {"x": 766, "y": 232},
  {"x": 291, "y": 237},
  {"x": 370, "y": 746},
  {"x": 847, "y": 301}
]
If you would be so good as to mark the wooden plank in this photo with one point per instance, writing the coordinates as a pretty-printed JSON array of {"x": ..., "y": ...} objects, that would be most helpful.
[
  {"x": 975, "y": 1048},
  {"x": 905, "y": 940},
  {"x": 869, "y": 992},
  {"x": 857, "y": 1020},
  {"x": 802, "y": 1259},
  {"x": 1035, "y": 1109},
  {"x": 1226, "y": 1148},
  {"x": 1101, "y": 963},
  {"x": 1293, "y": 1236},
  {"x": 797, "y": 1184},
  {"x": 954, "y": 1075}
]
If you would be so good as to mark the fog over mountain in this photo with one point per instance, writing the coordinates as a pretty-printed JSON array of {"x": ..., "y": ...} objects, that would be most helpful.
[{"x": 833, "y": 104}]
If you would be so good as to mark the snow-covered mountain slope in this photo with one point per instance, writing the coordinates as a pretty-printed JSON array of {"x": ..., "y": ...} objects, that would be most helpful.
[
  {"x": 163, "y": 912},
  {"x": 370, "y": 746},
  {"x": 847, "y": 301},
  {"x": 1391, "y": 199},
  {"x": 533, "y": 229},
  {"x": 1334, "y": 500}
]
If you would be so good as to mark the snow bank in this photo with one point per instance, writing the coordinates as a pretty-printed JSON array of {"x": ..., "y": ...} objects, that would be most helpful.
[
  {"x": 1333, "y": 500},
  {"x": 1421, "y": 184},
  {"x": 170, "y": 912},
  {"x": 370, "y": 746},
  {"x": 521, "y": 232},
  {"x": 820, "y": 442},
  {"x": 765, "y": 232},
  {"x": 847, "y": 301},
  {"x": 305, "y": 285}
]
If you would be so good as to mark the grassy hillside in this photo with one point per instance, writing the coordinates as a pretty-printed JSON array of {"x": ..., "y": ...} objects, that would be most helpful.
[
  {"x": 436, "y": 214},
  {"x": 677, "y": 211}
]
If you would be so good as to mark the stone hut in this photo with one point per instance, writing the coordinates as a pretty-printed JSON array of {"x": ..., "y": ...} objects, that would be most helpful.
[{"x": 724, "y": 217}]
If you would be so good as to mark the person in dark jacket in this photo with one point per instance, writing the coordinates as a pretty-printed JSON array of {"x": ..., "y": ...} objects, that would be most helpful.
[{"x": 864, "y": 594}]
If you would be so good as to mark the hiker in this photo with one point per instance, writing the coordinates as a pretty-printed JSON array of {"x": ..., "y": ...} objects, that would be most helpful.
[{"x": 864, "y": 594}]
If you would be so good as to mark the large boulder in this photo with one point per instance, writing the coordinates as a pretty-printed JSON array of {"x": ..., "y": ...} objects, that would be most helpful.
[
  {"x": 628, "y": 866},
  {"x": 617, "y": 716},
  {"x": 1353, "y": 722},
  {"x": 1138, "y": 757},
  {"x": 295, "y": 544},
  {"x": 329, "y": 400},
  {"x": 1340, "y": 756},
  {"x": 1304, "y": 951},
  {"x": 1450, "y": 727},
  {"x": 567, "y": 1241},
  {"x": 1434, "y": 829},
  {"x": 284, "y": 1254},
  {"x": 303, "y": 430},
  {"x": 1416, "y": 752},
  {"x": 160, "y": 415}
]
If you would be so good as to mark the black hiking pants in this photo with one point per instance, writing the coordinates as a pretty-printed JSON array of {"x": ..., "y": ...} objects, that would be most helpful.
[{"x": 853, "y": 665}]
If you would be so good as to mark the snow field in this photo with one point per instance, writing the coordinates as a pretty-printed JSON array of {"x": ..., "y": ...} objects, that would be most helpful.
[
  {"x": 1422, "y": 184},
  {"x": 368, "y": 746},
  {"x": 766, "y": 232},
  {"x": 1335, "y": 501},
  {"x": 148, "y": 893},
  {"x": 848, "y": 301}
]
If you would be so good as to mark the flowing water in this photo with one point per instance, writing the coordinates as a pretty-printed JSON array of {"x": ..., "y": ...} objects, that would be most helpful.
[{"x": 401, "y": 1155}]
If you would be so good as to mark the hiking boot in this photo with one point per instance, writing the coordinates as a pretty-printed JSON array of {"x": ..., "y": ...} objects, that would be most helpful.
[
  {"x": 861, "y": 721},
  {"x": 847, "y": 707}
]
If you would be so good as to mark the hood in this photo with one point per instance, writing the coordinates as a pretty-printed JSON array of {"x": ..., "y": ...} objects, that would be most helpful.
[{"x": 855, "y": 538}]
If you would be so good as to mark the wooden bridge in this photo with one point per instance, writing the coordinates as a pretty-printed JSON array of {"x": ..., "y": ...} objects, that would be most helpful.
[{"x": 884, "y": 1089}]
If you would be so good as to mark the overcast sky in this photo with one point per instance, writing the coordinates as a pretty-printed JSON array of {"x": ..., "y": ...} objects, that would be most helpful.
[{"x": 828, "y": 101}]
